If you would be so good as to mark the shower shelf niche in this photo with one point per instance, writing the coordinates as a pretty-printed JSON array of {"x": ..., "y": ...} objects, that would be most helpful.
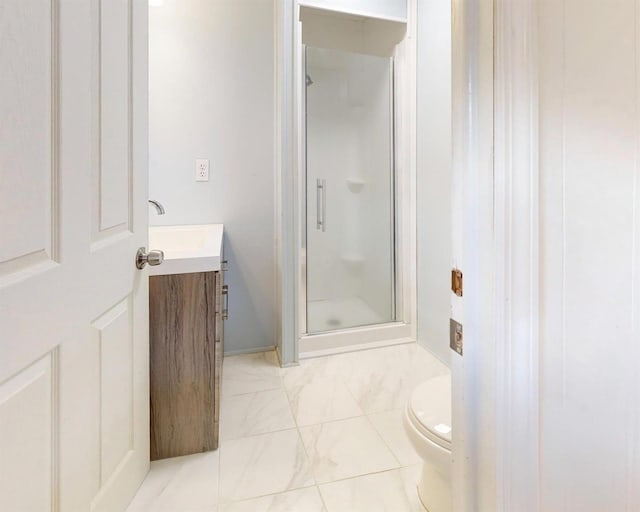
[
  {"x": 354, "y": 262},
  {"x": 355, "y": 184}
]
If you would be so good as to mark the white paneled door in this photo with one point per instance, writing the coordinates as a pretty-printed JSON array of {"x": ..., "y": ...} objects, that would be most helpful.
[{"x": 73, "y": 307}]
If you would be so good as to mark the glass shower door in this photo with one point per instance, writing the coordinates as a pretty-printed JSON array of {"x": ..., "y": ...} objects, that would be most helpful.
[{"x": 350, "y": 221}]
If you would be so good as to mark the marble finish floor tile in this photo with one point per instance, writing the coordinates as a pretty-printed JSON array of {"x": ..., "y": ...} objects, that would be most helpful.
[
  {"x": 308, "y": 370},
  {"x": 383, "y": 379},
  {"x": 391, "y": 428},
  {"x": 160, "y": 474},
  {"x": 318, "y": 394},
  {"x": 255, "y": 413},
  {"x": 379, "y": 492},
  {"x": 346, "y": 448},
  {"x": 250, "y": 373},
  {"x": 411, "y": 476},
  {"x": 184, "y": 484},
  {"x": 301, "y": 500},
  {"x": 332, "y": 431},
  {"x": 260, "y": 465}
]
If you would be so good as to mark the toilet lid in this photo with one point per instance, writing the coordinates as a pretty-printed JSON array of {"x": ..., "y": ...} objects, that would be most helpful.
[{"x": 431, "y": 407}]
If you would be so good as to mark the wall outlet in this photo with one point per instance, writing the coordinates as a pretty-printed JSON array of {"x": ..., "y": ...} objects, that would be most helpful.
[{"x": 202, "y": 170}]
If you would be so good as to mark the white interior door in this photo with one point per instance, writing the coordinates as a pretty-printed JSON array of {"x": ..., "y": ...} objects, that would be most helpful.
[{"x": 73, "y": 308}]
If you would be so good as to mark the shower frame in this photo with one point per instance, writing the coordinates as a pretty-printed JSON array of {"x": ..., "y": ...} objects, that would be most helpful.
[
  {"x": 293, "y": 342},
  {"x": 396, "y": 285}
]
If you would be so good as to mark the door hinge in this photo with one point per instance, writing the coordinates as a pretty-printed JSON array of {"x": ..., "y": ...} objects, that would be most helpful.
[
  {"x": 456, "y": 341},
  {"x": 456, "y": 282}
]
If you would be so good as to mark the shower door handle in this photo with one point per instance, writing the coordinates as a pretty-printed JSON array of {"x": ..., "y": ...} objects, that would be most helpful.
[{"x": 321, "y": 204}]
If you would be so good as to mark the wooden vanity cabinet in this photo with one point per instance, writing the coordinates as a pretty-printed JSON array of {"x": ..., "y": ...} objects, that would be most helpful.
[{"x": 186, "y": 331}]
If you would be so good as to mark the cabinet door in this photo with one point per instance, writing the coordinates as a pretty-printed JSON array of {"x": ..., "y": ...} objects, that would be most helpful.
[{"x": 184, "y": 385}]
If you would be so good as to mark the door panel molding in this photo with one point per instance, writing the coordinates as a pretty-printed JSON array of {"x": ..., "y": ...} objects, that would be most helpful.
[
  {"x": 113, "y": 139},
  {"x": 30, "y": 436},
  {"x": 31, "y": 245},
  {"x": 114, "y": 336}
]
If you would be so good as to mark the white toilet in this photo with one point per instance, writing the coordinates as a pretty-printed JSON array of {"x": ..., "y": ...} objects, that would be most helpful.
[{"x": 427, "y": 420}]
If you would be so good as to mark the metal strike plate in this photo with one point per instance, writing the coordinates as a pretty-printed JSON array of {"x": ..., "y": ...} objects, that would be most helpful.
[
  {"x": 456, "y": 340},
  {"x": 456, "y": 282}
]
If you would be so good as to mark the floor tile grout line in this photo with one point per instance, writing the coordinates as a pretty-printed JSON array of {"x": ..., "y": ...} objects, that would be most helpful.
[
  {"x": 260, "y": 434},
  {"x": 354, "y": 477},
  {"x": 322, "y": 422},
  {"x": 399, "y": 467},
  {"x": 304, "y": 446},
  {"x": 346, "y": 384},
  {"x": 331, "y": 421},
  {"x": 272, "y": 494},
  {"x": 385, "y": 441},
  {"x": 286, "y": 392},
  {"x": 269, "y": 431},
  {"x": 308, "y": 459},
  {"x": 324, "y": 503},
  {"x": 301, "y": 441},
  {"x": 265, "y": 390}
]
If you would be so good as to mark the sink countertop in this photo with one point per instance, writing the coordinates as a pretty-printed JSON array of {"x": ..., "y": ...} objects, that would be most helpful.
[{"x": 187, "y": 248}]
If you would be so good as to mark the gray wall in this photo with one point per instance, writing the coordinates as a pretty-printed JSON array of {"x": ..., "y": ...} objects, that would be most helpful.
[
  {"x": 212, "y": 96},
  {"x": 434, "y": 176}
]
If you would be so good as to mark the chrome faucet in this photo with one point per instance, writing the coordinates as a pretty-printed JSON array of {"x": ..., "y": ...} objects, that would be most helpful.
[{"x": 159, "y": 208}]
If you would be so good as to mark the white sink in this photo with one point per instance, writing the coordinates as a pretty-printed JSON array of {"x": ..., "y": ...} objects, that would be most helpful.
[{"x": 193, "y": 248}]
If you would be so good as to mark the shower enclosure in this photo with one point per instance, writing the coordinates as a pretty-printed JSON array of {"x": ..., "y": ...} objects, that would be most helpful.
[{"x": 349, "y": 248}]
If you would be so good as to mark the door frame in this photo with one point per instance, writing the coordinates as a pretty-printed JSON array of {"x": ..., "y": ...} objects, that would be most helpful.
[
  {"x": 290, "y": 193},
  {"x": 517, "y": 254},
  {"x": 495, "y": 208},
  {"x": 287, "y": 186}
]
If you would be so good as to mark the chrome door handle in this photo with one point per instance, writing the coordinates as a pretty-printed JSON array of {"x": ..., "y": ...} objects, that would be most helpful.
[
  {"x": 225, "y": 308},
  {"x": 321, "y": 204},
  {"x": 153, "y": 258}
]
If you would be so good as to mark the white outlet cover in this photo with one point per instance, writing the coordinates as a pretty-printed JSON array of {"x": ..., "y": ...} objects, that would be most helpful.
[{"x": 202, "y": 170}]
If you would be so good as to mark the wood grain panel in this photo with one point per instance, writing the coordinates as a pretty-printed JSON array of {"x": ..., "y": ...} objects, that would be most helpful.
[{"x": 182, "y": 332}]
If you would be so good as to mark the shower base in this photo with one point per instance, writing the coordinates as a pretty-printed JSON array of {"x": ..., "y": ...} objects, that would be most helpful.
[
  {"x": 336, "y": 314},
  {"x": 348, "y": 324}
]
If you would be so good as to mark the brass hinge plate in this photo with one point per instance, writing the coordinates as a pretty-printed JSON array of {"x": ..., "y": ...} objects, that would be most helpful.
[{"x": 456, "y": 282}]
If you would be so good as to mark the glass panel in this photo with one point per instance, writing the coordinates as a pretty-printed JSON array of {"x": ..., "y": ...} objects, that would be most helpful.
[{"x": 350, "y": 242}]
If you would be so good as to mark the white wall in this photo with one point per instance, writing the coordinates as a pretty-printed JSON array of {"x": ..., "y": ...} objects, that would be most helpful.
[
  {"x": 329, "y": 29},
  {"x": 212, "y": 96},
  {"x": 434, "y": 176},
  {"x": 391, "y": 9},
  {"x": 590, "y": 266}
]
